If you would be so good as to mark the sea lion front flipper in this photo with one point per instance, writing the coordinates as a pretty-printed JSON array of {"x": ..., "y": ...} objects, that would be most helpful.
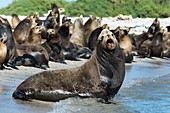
[{"x": 21, "y": 95}]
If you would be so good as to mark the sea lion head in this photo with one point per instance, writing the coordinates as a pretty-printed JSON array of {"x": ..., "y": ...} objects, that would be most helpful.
[
  {"x": 107, "y": 39},
  {"x": 37, "y": 29}
]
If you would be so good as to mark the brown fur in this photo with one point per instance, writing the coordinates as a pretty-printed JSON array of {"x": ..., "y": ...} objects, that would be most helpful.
[
  {"x": 3, "y": 51},
  {"x": 125, "y": 43},
  {"x": 21, "y": 32},
  {"x": 6, "y": 31},
  {"x": 35, "y": 36},
  {"x": 15, "y": 20},
  {"x": 36, "y": 16},
  {"x": 144, "y": 49},
  {"x": 26, "y": 49},
  {"x": 158, "y": 44},
  {"x": 78, "y": 32},
  {"x": 138, "y": 39},
  {"x": 91, "y": 24},
  {"x": 100, "y": 77},
  {"x": 154, "y": 28},
  {"x": 94, "y": 36}
]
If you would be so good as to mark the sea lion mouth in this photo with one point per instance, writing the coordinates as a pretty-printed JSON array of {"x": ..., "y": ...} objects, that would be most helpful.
[
  {"x": 109, "y": 41},
  {"x": 110, "y": 44}
]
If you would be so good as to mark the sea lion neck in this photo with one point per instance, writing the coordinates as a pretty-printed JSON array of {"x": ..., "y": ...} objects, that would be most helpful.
[{"x": 110, "y": 64}]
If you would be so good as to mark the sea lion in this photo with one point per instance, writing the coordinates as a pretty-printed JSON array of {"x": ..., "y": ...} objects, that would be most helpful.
[
  {"x": 54, "y": 16},
  {"x": 53, "y": 46},
  {"x": 138, "y": 39},
  {"x": 35, "y": 59},
  {"x": 71, "y": 50},
  {"x": 125, "y": 43},
  {"x": 3, "y": 51},
  {"x": 34, "y": 36},
  {"x": 144, "y": 49},
  {"x": 55, "y": 52},
  {"x": 6, "y": 31},
  {"x": 21, "y": 32},
  {"x": 101, "y": 76},
  {"x": 78, "y": 33},
  {"x": 154, "y": 28},
  {"x": 91, "y": 24},
  {"x": 31, "y": 55},
  {"x": 158, "y": 44}
]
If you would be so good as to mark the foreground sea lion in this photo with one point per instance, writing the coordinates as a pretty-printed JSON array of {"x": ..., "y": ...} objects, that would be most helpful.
[{"x": 101, "y": 76}]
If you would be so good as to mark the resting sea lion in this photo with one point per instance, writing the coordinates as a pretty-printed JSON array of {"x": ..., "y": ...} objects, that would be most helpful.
[
  {"x": 31, "y": 55},
  {"x": 158, "y": 44},
  {"x": 36, "y": 59},
  {"x": 101, "y": 76}
]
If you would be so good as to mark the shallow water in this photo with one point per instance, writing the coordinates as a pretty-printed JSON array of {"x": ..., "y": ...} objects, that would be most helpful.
[{"x": 146, "y": 89}]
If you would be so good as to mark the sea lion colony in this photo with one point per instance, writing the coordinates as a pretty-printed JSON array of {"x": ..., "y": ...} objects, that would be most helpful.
[{"x": 35, "y": 42}]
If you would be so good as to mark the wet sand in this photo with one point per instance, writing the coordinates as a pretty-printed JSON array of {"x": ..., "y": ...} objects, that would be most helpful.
[{"x": 11, "y": 78}]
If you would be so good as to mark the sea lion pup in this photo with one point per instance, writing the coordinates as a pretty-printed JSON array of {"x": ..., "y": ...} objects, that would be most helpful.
[
  {"x": 3, "y": 51},
  {"x": 15, "y": 20},
  {"x": 100, "y": 77},
  {"x": 53, "y": 46},
  {"x": 158, "y": 44}
]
